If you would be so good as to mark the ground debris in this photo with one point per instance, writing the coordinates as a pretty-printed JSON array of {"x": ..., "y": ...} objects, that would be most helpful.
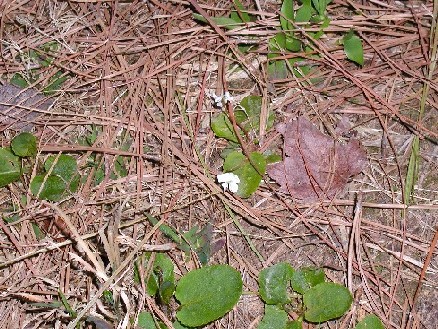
[
  {"x": 315, "y": 166},
  {"x": 17, "y": 106}
]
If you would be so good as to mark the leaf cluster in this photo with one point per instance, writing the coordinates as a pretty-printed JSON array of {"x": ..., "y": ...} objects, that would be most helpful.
[
  {"x": 59, "y": 178},
  {"x": 306, "y": 292},
  {"x": 207, "y": 294}
]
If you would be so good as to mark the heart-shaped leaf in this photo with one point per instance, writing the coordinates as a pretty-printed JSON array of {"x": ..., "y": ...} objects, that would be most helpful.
[
  {"x": 24, "y": 145},
  {"x": 273, "y": 283},
  {"x": 207, "y": 294},
  {"x": 326, "y": 301},
  {"x": 10, "y": 167}
]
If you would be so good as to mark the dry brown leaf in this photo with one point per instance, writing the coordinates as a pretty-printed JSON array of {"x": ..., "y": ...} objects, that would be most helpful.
[
  {"x": 17, "y": 106},
  {"x": 315, "y": 166}
]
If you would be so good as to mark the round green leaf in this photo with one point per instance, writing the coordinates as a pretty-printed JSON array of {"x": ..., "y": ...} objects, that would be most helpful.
[
  {"x": 65, "y": 166},
  {"x": 24, "y": 145},
  {"x": 326, "y": 301},
  {"x": 52, "y": 189},
  {"x": 207, "y": 294},
  {"x": 306, "y": 278},
  {"x": 371, "y": 321},
  {"x": 10, "y": 167},
  {"x": 274, "y": 318},
  {"x": 273, "y": 283}
]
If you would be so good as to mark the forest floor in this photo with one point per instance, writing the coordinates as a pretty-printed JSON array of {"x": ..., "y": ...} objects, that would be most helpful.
[{"x": 129, "y": 91}]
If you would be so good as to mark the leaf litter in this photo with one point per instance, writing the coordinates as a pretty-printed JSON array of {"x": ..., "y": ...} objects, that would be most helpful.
[
  {"x": 17, "y": 106},
  {"x": 315, "y": 166}
]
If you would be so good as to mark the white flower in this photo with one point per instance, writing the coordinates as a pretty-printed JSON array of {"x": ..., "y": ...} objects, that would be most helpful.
[
  {"x": 228, "y": 97},
  {"x": 217, "y": 100},
  {"x": 229, "y": 181}
]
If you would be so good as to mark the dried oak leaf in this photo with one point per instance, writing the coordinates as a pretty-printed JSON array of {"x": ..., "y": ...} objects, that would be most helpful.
[
  {"x": 18, "y": 107},
  {"x": 315, "y": 166}
]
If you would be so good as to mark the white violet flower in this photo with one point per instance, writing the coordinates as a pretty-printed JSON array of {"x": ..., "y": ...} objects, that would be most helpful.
[
  {"x": 217, "y": 100},
  {"x": 228, "y": 97},
  {"x": 229, "y": 181}
]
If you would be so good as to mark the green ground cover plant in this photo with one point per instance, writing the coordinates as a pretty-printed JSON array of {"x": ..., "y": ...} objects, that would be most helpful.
[{"x": 209, "y": 293}]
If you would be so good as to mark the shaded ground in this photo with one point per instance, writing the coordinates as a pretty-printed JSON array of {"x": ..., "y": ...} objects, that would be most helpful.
[{"x": 136, "y": 102}]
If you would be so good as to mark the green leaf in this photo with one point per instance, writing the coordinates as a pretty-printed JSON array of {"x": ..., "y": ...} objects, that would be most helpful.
[
  {"x": 412, "y": 172},
  {"x": 162, "y": 273},
  {"x": 52, "y": 189},
  {"x": 222, "y": 127},
  {"x": 178, "y": 325},
  {"x": 234, "y": 161},
  {"x": 19, "y": 81},
  {"x": 164, "y": 267},
  {"x": 226, "y": 22},
  {"x": 321, "y": 6},
  {"x": 353, "y": 48},
  {"x": 371, "y": 321},
  {"x": 207, "y": 294},
  {"x": 296, "y": 324},
  {"x": 146, "y": 320},
  {"x": 244, "y": 16},
  {"x": 249, "y": 175},
  {"x": 108, "y": 297},
  {"x": 39, "y": 234},
  {"x": 66, "y": 304},
  {"x": 274, "y": 318},
  {"x": 273, "y": 158},
  {"x": 24, "y": 145},
  {"x": 10, "y": 167},
  {"x": 166, "y": 291},
  {"x": 277, "y": 70},
  {"x": 273, "y": 283},
  {"x": 249, "y": 117},
  {"x": 326, "y": 301},
  {"x": 304, "y": 13},
  {"x": 120, "y": 166},
  {"x": 319, "y": 34},
  {"x": 287, "y": 11},
  {"x": 166, "y": 229},
  {"x": 55, "y": 83},
  {"x": 65, "y": 166},
  {"x": 306, "y": 278},
  {"x": 278, "y": 42},
  {"x": 293, "y": 44}
]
